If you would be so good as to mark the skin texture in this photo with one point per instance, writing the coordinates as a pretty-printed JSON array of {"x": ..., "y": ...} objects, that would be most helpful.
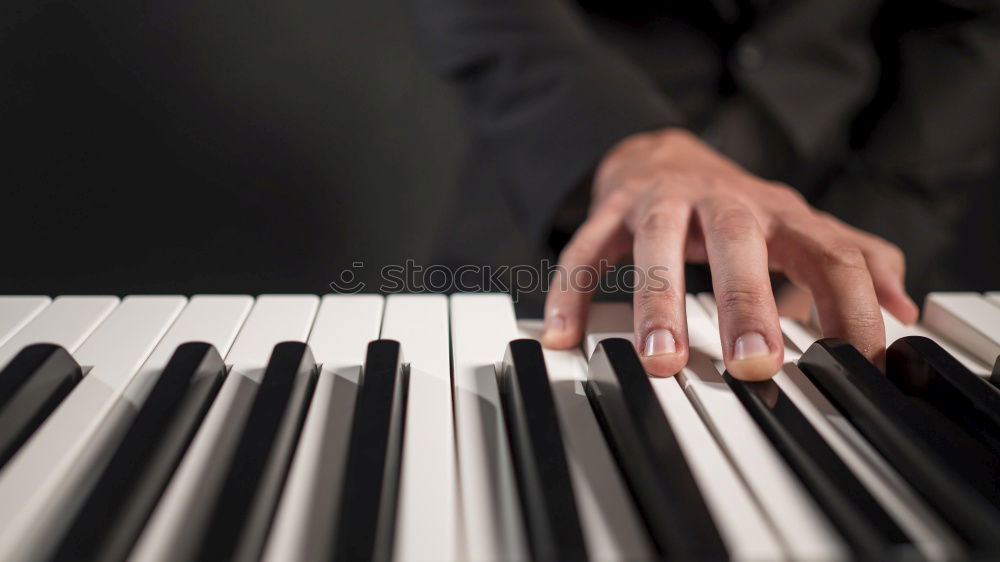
[{"x": 666, "y": 198}]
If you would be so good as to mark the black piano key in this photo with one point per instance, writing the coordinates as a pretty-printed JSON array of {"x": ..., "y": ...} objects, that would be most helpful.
[
  {"x": 117, "y": 508},
  {"x": 367, "y": 510},
  {"x": 651, "y": 460},
  {"x": 881, "y": 414},
  {"x": 32, "y": 385},
  {"x": 539, "y": 455},
  {"x": 244, "y": 508},
  {"x": 868, "y": 530},
  {"x": 924, "y": 370}
]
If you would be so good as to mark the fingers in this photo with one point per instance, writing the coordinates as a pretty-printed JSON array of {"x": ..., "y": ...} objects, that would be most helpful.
[
  {"x": 836, "y": 272},
  {"x": 752, "y": 344},
  {"x": 660, "y": 318},
  {"x": 599, "y": 241},
  {"x": 887, "y": 266}
]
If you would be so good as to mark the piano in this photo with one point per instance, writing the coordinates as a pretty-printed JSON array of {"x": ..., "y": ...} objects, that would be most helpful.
[{"x": 427, "y": 427}]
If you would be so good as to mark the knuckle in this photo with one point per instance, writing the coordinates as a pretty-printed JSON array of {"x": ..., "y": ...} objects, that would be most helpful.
[
  {"x": 739, "y": 301},
  {"x": 617, "y": 201},
  {"x": 653, "y": 303},
  {"x": 788, "y": 197},
  {"x": 734, "y": 223},
  {"x": 842, "y": 256},
  {"x": 659, "y": 218}
]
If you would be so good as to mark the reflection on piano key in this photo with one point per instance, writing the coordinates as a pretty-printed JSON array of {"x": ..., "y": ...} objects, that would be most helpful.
[
  {"x": 366, "y": 524},
  {"x": 612, "y": 528},
  {"x": 241, "y": 516},
  {"x": 116, "y": 509},
  {"x": 649, "y": 455},
  {"x": 427, "y": 514},
  {"x": 539, "y": 457},
  {"x": 481, "y": 327},
  {"x": 32, "y": 385},
  {"x": 344, "y": 326},
  {"x": 177, "y": 526},
  {"x": 867, "y": 529},
  {"x": 924, "y": 370},
  {"x": 744, "y": 528},
  {"x": 48, "y": 479},
  {"x": 803, "y": 527},
  {"x": 879, "y": 412}
]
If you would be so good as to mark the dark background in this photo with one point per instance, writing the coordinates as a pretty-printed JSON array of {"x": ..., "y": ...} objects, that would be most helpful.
[
  {"x": 224, "y": 146},
  {"x": 263, "y": 146}
]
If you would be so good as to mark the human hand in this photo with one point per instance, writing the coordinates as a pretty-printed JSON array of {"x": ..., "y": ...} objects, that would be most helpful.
[{"x": 666, "y": 198}]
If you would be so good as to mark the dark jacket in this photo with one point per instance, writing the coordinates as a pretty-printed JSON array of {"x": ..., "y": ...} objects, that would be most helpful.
[{"x": 886, "y": 113}]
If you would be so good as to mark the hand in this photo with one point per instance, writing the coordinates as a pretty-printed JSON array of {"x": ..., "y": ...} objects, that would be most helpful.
[{"x": 668, "y": 198}]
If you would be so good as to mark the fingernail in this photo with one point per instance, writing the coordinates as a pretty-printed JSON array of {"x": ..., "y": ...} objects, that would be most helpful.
[
  {"x": 659, "y": 342},
  {"x": 750, "y": 345},
  {"x": 554, "y": 324}
]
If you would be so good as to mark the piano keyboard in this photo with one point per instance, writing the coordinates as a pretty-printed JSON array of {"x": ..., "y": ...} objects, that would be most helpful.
[{"x": 424, "y": 427}]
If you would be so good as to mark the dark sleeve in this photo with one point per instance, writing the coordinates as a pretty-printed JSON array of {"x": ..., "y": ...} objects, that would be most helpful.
[
  {"x": 543, "y": 96},
  {"x": 944, "y": 124}
]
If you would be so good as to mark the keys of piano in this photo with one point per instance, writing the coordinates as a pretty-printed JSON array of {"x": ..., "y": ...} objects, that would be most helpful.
[
  {"x": 177, "y": 525},
  {"x": 16, "y": 312},
  {"x": 32, "y": 385},
  {"x": 878, "y": 411},
  {"x": 746, "y": 532},
  {"x": 868, "y": 530},
  {"x": 967, "y": 319},
  {"x": 539, "y": 456},
  {"x": 116, "y": 509},
  {"x": 242, "y": 512},
  {"x": 427, "y": 523},
  {"x": 613, "y": 529},
  {"x": 924, "y": 370},
  {"x": 66, "y": 322},
  {"x": 655, "y": 469},
  {"x": 366, "y": 524},
  {"x": 481, "y": 327},
  {"x": 797, "y": 519},
  {"x": 344, "y": 326},
  {"x": 46, "y": 482}
]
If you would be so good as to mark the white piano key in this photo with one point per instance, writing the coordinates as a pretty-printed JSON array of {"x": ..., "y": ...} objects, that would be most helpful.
[
  {"x": 804, "y": 529},
  {"x": 707, "y": 302},
  {"x": 214, "y": 319},
  {"x": 605, "y": 320},
  {"x": 176, "y": 525},
  {"x": 427, "y": 513},
  {"x": 344, "y": 326},
  {"x": 967, "y": 319},
  {"x": 612, "y": 528},
  {"x": 993, "y": 297},
  {"x": 44, "y": 483},
  {"x": 746, "y": 531},
  {"x": 16, "y": 312},
  {"x": 894, "y": 329},
  {"x": 798, "y": 336},
  {"x": 481, "y": 327},
  {"x": 66, "y": 322}
]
